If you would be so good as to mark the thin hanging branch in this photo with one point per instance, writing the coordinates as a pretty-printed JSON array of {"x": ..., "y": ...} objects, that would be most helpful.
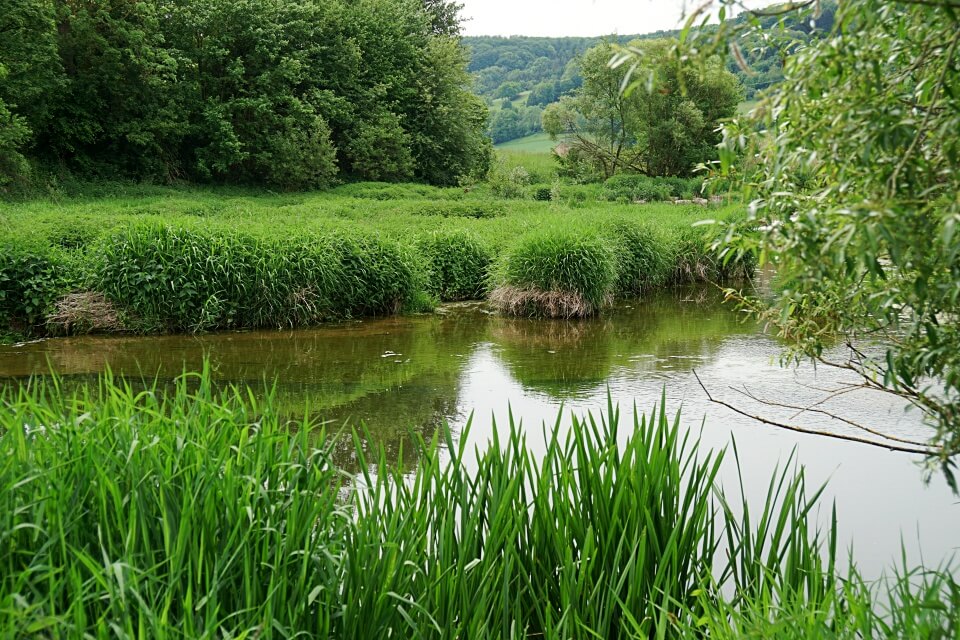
[
  {"x": 924, "y": 451},
  {"x": 814, "y": 409}
]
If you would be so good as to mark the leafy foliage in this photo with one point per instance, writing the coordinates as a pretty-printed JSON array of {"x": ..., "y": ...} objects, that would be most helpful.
[
  {"x": 292, "y": 95},
  {"x": 852, "y": 164},
  {"x": 119, "y": 515},
  {"x": 32, "y": 275}
]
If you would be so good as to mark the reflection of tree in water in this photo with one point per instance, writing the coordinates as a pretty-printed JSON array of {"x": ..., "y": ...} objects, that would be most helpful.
[
  {"x": 393, "y": 419},
  {"x": 402, "y": 373},
  {"x": 557, "y": 357},
  {"x": 566, "y": 359},
  {"x": 394, "y": 375}
]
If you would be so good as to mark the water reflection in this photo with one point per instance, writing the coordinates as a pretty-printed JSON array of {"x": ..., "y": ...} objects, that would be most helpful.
[{"x": 417, "y": 373}]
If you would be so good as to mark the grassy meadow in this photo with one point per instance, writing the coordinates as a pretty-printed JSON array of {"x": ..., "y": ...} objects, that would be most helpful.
[
  {"x": 150, "y": 260},
  {"x": 540, "y": 143}
]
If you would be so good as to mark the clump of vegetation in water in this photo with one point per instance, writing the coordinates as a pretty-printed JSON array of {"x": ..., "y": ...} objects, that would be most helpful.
[
  {"x": 204, "y": 514},
  {"x": 556, "y": 275}
]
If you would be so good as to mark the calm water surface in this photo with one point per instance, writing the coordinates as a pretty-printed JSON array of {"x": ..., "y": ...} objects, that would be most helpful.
[{"x": 420, "y": 372}]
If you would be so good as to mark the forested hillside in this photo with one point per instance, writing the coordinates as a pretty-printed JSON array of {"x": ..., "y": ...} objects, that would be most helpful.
[
  {"x": 519, "y": 76},
  {"x": 288, "y": 95}
]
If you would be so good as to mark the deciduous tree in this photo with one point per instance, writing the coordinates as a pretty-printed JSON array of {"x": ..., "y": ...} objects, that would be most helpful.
[{"x": 667, "y": 129}]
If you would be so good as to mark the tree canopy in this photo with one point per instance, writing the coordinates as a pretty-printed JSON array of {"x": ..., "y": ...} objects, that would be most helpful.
[
  {"x": 665, "y": 130},
  {"x": 284, "y": 94}
]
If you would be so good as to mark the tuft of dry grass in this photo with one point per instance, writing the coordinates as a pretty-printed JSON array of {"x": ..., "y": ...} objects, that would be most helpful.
[
  {"x": 84, "y": 312},
  {"x": 534, "y": 302}
]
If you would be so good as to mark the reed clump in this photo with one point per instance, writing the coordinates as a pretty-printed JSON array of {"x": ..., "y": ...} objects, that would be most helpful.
[
  {"x": 187, "y": 280},
  {"x": 645, "y": 257},
  {"x": 204, "y": 514},
  {"x": 556, "y": 275}
]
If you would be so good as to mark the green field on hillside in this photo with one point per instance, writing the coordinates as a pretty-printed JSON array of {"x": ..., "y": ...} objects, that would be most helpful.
[{"x": 537, "y": 143}]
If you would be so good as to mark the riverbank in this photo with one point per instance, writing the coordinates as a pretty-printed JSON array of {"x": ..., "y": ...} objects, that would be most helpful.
[
  {"x": 203, "y": 514},
  {"x": 167, "y": 260}
]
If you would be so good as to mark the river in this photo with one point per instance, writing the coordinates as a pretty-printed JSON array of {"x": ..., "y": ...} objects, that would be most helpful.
[{"x": 421, "y": 372}]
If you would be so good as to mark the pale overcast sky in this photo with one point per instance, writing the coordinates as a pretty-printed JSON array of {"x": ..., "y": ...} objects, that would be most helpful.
[{"x": 572, "y": 17}]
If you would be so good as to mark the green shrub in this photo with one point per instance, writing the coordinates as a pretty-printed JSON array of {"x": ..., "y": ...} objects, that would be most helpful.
[
  {"x": 457, "y": 263},
  {"x": 683, "y": 188},
  {"x": 644, "y": 257},
  {"x": 543, "y": 194},
  {"x": 181, "y": 279},
  {"x": 509, "y": 182},
  {"x": 464, "y": 209}
]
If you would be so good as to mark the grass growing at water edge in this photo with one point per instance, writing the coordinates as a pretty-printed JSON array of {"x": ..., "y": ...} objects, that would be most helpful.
[{"x": 204, "y": 514}]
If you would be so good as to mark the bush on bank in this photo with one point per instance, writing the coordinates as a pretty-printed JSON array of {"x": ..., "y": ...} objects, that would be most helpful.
[
  {"x": 204, "y": 514},
  {"x": 178, "y": 279},
  {"x": 457, "y": 264},
  {"x": 33, "y": 274}
]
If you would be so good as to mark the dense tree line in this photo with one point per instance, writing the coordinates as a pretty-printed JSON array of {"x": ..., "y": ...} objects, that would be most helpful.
[{"x": 288, "y": 94}]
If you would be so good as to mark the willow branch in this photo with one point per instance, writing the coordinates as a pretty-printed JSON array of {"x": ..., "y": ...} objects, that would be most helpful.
[
  {"x": 922, "y": 131},
  {"x": 814, "y": 409},
  {"x": 816, "y": 432}
]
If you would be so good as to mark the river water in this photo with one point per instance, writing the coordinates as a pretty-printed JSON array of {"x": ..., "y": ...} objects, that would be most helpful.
[{"x": 422, "y": 372}]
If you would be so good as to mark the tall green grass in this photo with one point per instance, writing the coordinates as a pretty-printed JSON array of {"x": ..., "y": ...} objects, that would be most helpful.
[
  {"x": 458, "y": 264},
  {"x": 206, "y": 515},
  {"x": 182, "y": 279},
  {"x": 202, "y": 260},
  {"x": 645, "y": 257}
]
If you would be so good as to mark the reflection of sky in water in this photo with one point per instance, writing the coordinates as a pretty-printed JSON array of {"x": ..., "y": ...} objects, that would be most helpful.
[
  {"x": 397, "y": 373},
  {"x": 879, "y": 494}
]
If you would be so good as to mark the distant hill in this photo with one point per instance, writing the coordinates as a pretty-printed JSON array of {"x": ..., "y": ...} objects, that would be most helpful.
[{"x": 519, "y": 75}]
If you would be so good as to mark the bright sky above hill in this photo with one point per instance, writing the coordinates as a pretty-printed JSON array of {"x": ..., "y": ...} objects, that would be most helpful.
[{"x": 573, "y": 17}]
